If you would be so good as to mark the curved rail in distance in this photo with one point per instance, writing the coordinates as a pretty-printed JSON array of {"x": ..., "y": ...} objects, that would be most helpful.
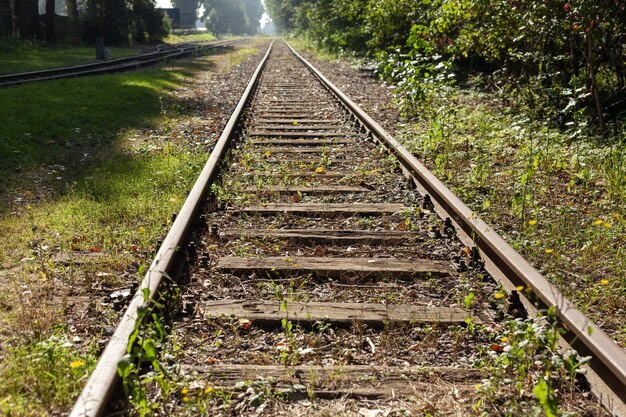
[{"x": 114, "y": 65}]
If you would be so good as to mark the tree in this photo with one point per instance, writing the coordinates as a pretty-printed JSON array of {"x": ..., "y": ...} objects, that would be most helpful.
[
  {"x": 254, "y": 11},
  {"x": 225, "y": 16},
  {"x": 74, "y": 23},
  {"x": 50, "y": 16},
  {"x": 188, "y": 8}
]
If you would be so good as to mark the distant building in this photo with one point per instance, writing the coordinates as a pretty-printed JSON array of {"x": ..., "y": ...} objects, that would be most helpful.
[
  {"x": 174, "y": 15},
  {"x": 187, "y": 20}
]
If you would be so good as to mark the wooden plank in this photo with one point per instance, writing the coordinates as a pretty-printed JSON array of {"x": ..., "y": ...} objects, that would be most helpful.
[
  {"x": 336, "y": 159},
  {"x": 298, "y": 127},
  {"x": 289, "y": 115},
  {"x": 336, "y": 381},
  {"x": 317, "y": 189},
  {"x": 303, "y": 121},
  {"x": 282, "y": 134},
  {"x": 77, "y": 257},
  {"x": 312, "y": 174},
  {"x": 304, "y": 142},
  {"x": 307, "y": 149},
  {"x": 271, "y": 313},
  {"x": 325, "y": 236},
  {"x": 334, "y": 267},
  {"x": 343, "y": 209}
]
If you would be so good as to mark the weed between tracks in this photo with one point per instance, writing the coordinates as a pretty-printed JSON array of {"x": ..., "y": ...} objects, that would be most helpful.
[{"x": 95, "y": 167}]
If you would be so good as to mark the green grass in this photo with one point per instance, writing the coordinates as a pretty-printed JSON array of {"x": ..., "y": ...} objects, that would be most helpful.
[
  {"x": 177, "y": 37},
  {"x": 49, "y": 369},
  {"x": 22, "y": 57}
]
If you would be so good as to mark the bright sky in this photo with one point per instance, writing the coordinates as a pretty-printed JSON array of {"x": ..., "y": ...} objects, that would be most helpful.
[{"x": 167, "y": 3}]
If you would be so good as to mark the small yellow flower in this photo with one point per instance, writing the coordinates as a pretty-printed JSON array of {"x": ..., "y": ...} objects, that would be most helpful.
[
  {"x": 185, "y": 399},
  {"x": 295, "y": 122},
  {"x": 598, "y": 222},
  {"x": 499, "y": 296},
  {"x": 477, "y": 386},
  {"x": 607, "y": 225},
  {"x": 532, "y": 222},
  {"x": 320, "y": 170},
  {"x": 504, "y": 339},
  {"x": 267, "y": 154},
  {"x": 184, "y": 391},
  {"x": 77, "y": 364},
  {"x": 549, "y": 250},
  {"x": 208, "y": 390},
  {"x": 520, "y": 288},
  {"x": 604, "y": 281},
  {"x": 141, "y": 229}
]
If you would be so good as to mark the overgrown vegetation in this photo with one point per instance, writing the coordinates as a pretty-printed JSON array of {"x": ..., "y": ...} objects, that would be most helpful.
[{"x": 563, "y": 60}]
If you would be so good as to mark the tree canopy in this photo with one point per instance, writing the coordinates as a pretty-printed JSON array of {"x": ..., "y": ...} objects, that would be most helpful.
[
  {"x": 562, "y": 55},
  {"x": 117, "y": 21}
]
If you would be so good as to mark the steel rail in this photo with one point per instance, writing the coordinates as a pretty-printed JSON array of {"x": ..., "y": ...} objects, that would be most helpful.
[
  {"x": 608, "y": 360},
  {"x": 93, "y": 400},
  {"x": 114, "y": 65}
]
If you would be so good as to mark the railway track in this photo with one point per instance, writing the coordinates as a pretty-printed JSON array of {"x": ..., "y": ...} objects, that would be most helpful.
[
  {"x": 163, "y": 53},
  {"x": 320, "y": 261}
]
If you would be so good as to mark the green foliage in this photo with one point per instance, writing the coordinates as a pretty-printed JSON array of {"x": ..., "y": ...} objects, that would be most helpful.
[
  {"x": 416, "y": 73},
  {"x": 226, "y": 16},
  {"x": 560, "y": 59},
  {"x": 120, "y": 22}
]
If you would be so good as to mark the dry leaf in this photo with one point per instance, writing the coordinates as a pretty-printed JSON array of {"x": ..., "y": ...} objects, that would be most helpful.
[
  {"x": 319, "y": 251},
  {"x": 245, "y": 324},
  {"x": 496, "y": 348}
]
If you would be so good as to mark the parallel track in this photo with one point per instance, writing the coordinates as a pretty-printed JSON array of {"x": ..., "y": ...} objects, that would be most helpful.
[
  {"x": 319, "y": 219},
  {"x": 164, "y": 53}
]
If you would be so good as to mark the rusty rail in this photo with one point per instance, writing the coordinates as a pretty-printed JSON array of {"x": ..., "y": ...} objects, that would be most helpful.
[{"x": 114, "y": 65}]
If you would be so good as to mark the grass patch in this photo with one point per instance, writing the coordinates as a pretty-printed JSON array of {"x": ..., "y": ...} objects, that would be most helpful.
[
  {"x": 60, "y": 126},
  {"x": 177, "y": 37},
  {"x": 24, "y": 57},
  {"x": 49, "y": 370},
  {"x": 555, "y": 196}
]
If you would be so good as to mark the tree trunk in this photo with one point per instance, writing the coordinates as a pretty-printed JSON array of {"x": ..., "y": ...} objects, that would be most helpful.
[
  {"x": 50, "y": 15},
  {"x": 594, "y": 83},
  {"x": 16, "y": 17},
  {"x": 74, "y": 27}
]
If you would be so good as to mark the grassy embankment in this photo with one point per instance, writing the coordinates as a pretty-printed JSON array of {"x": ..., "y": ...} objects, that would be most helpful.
[{"x": 93, "y": 165}]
